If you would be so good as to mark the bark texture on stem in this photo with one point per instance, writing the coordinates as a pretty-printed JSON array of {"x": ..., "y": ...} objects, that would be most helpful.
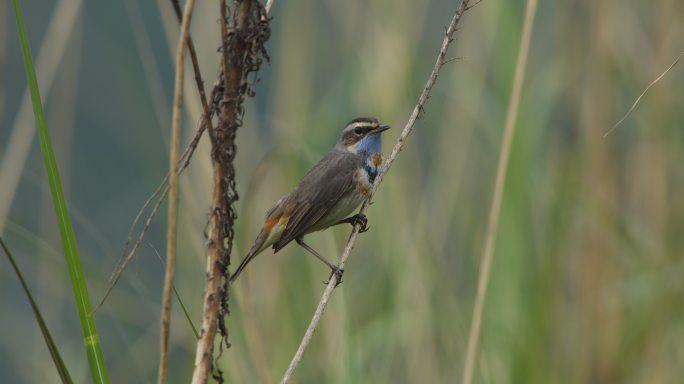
[{"x": 244, "y": 32}]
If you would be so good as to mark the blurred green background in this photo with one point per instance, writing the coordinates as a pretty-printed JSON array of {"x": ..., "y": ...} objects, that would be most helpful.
[{"x": 587, "y": 281}]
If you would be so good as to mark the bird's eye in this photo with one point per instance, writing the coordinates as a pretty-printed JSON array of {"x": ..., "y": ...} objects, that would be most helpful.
[{"x": 358, "y": 131}]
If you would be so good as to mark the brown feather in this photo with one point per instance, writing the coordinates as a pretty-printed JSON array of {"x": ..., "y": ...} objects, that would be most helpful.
[{"x": 321, "y": 188}]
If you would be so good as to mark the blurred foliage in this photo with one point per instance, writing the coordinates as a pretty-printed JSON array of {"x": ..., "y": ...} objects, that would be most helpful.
[{"x": 586, "y": 284}]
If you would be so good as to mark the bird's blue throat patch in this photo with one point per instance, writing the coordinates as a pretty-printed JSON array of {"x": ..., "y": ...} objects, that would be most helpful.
[
  {"x": 371, "y": 170},
  {"x": 369, "y": 145}
]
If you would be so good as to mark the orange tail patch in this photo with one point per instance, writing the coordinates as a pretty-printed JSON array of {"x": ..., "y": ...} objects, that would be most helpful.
[{"x": 268, "y": 225}]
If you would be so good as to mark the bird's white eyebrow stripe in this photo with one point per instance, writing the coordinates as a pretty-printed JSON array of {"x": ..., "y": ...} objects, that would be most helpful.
[{"x": 362, "y": 124}]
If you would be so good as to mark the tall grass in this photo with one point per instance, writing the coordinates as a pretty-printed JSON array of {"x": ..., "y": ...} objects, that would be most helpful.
[
  {"x": 98, "y": 369},
  {"x": 586, "y": 279}
]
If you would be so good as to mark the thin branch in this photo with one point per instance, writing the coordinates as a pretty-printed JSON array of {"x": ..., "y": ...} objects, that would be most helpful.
[
  {"x": 195, "y": 64},
  {"x": 629, "y": 111},
  {"x": 205, "y": 345},
  {"x": 408, "y": 128},
  {"x": 493, "y": 221},
  {"x": 175, "y": 292},
  {"x": 171, "y": 232},
  {"x": 163, "y": 187}
]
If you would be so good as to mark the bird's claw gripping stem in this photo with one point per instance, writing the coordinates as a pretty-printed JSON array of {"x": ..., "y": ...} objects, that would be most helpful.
[
  {"x": 361, "y": 220},
  {"x": 337, "y": 272}
]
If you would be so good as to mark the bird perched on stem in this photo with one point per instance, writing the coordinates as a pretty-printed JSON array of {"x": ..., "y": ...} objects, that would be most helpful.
[{"x": 327, "y": 194}]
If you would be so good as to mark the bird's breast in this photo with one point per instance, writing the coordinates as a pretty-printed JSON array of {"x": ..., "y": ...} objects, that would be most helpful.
[{"x": 365, "y": 176}]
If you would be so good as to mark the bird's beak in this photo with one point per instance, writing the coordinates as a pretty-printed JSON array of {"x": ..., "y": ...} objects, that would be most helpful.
[{"x": 381, "y": 128}]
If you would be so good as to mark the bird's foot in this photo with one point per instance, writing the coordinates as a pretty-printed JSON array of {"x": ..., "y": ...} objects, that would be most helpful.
[
  {"x": 361, "y": 220},
  {"x": 337, "y": 272}
]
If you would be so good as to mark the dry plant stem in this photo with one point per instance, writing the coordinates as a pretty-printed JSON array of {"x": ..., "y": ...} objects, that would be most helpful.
[
  {"x": 163, "y": 187},
  {"x": 171, "y": 232},
  {"x": 205, "y": 345},
  {"x": 408, "y": 128},
  {"x": 195, "y": 65},
  {"x": 629, "y": 111},
  {"x": 493, "y": 220},
  {"x": 218, "y": 251}
]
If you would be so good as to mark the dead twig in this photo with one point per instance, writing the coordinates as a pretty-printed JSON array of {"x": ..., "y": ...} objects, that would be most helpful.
[
  {"x": 195, "y": 66},
  {"x": 163, "y": 187},
  {"x": 629, "y": 111},
  {"x": 171, "y": 232},
  {"x": 243, "y": 38},
  {"x": 408, "y": 128}
]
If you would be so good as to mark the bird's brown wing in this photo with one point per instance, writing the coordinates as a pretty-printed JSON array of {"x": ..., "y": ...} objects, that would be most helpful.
[{"x": 319, "y": 191}]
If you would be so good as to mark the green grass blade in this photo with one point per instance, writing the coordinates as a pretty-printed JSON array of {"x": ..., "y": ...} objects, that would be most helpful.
[
  {"x": 52, "y": 347},
  {"x": 92, "y": 343}
]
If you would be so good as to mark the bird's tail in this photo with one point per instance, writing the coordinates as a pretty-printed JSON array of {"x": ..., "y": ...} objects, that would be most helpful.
[
  {"x": 253, "y": 252},
  {"x": 241, "y": 267}
]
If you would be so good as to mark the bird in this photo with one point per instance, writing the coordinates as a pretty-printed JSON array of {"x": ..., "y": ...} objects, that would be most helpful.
[{"x": 326, "y": 195}]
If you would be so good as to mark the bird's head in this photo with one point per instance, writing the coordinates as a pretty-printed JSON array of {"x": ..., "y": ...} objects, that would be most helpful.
[{"x": 362, "y": 136}]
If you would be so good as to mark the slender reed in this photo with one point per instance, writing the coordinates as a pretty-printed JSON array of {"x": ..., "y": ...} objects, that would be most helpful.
[
  {"x": 163, "y": 189},
  {"x": 18, "y": 143},
  {"x": 98, "y": 368},
  {"x": 171, "y": 230},
  {"x": 493, "y": 221},
  {"x": 62, "y": 369},
  {"x": 408, "y": 128},
  {"x": 657, "y": 79}
]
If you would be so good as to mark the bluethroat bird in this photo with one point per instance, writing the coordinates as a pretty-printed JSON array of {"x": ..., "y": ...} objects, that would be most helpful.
[{"x": 327, "y": 194}]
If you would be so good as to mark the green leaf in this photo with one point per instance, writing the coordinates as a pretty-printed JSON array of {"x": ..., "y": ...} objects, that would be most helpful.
[
  {"x": 52, "y": 347},
  {"x": 98, "y": 368}
]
